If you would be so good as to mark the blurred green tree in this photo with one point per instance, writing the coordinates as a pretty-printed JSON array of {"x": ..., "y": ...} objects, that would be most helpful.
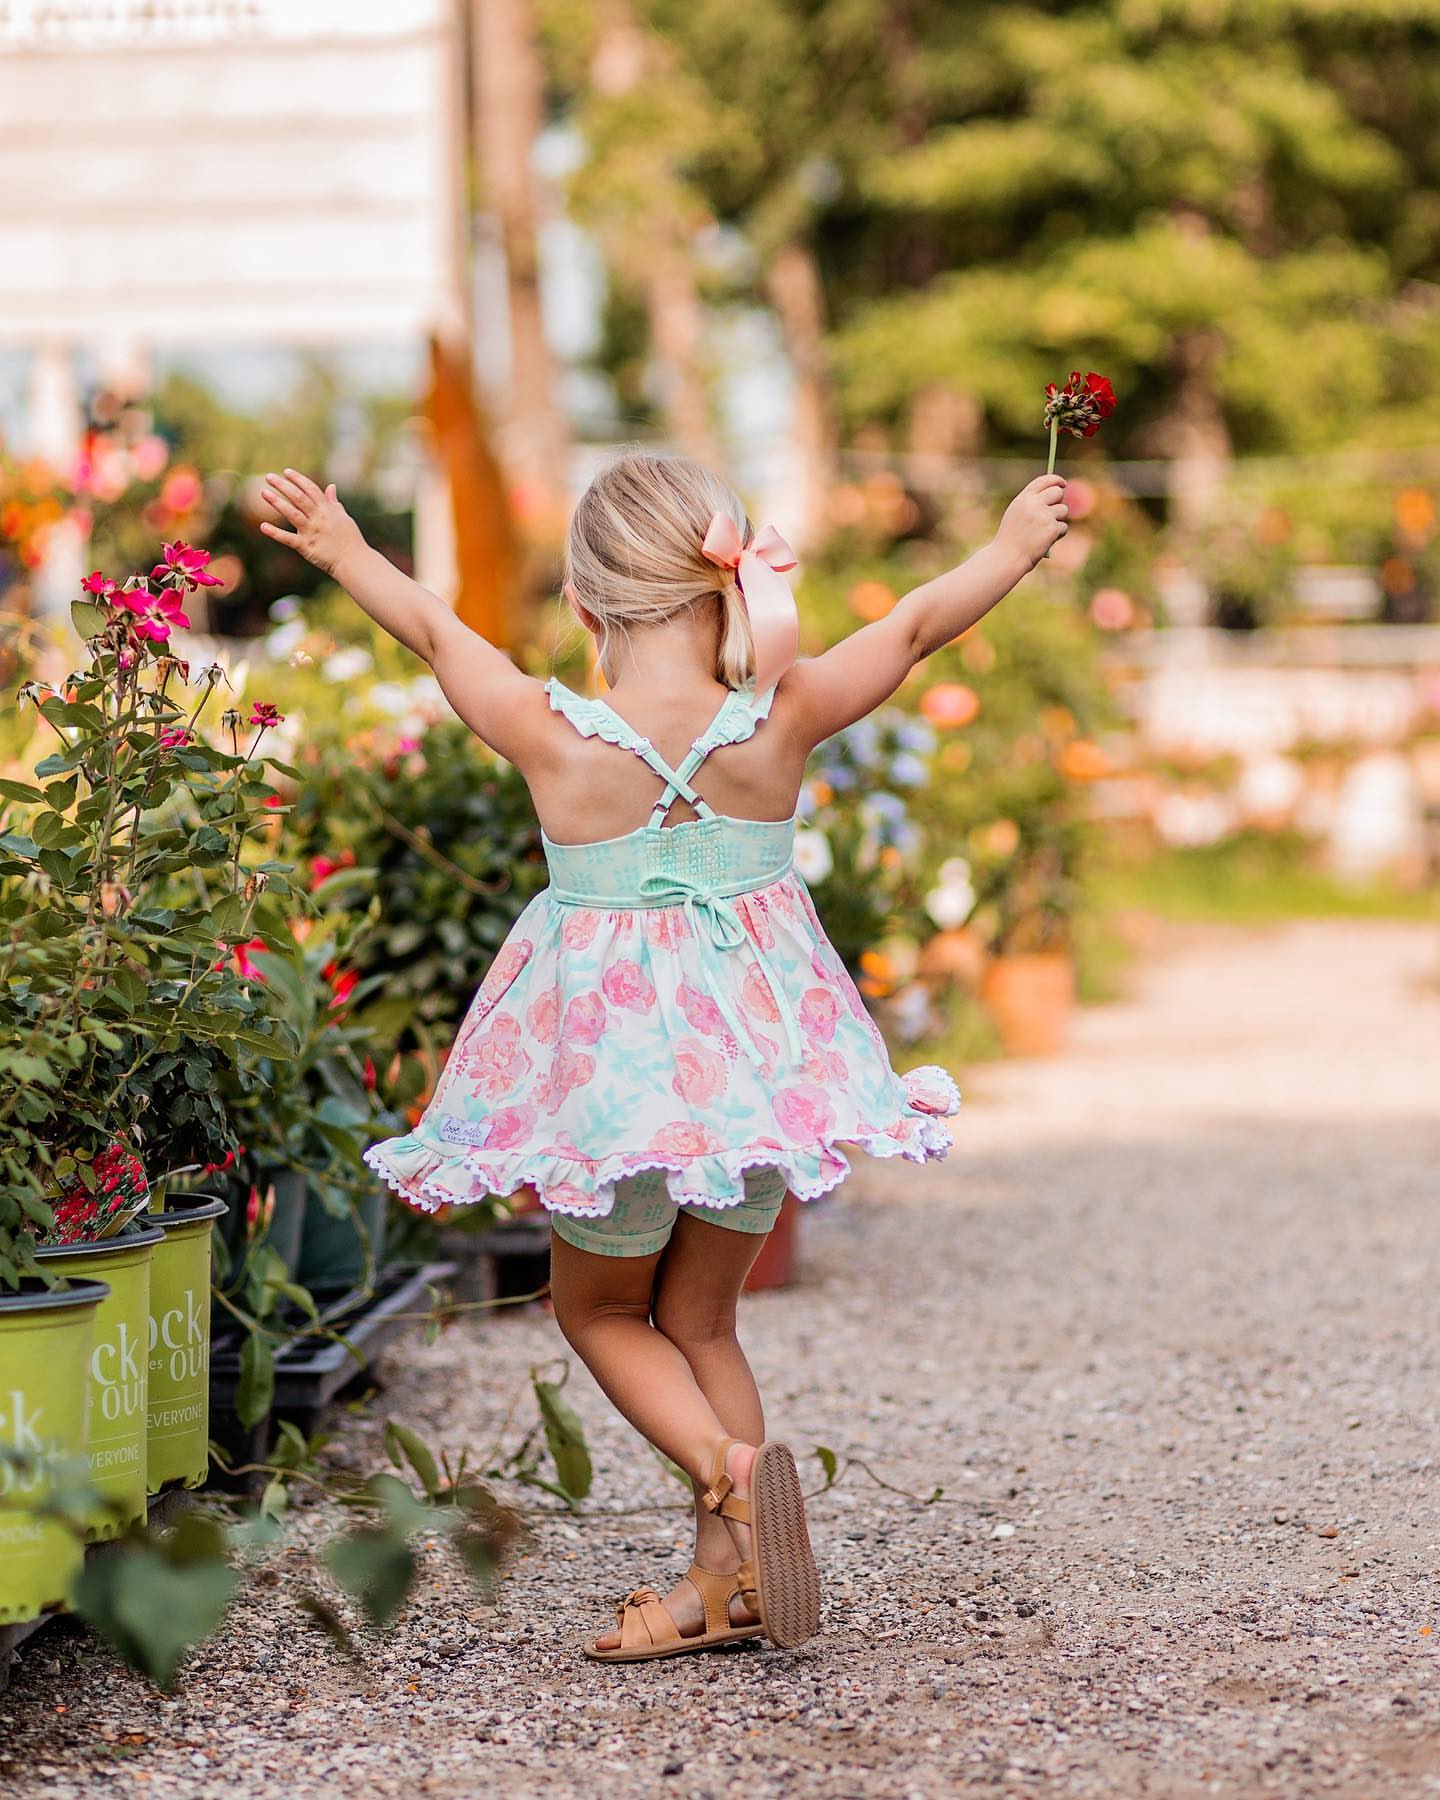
[{"x": 1231, "y": 206}]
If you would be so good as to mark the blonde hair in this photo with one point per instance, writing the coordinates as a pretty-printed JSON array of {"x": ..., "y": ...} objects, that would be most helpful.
[{"x": 633, "y": 555}]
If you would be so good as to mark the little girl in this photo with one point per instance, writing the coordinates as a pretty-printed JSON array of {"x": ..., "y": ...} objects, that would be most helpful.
[{"x": 667, "y": 1043}]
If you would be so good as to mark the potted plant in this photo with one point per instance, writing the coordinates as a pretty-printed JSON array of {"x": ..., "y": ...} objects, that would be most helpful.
[
  {"x": 46, "y": 1341},
  {"x": 128, "y": 867}
]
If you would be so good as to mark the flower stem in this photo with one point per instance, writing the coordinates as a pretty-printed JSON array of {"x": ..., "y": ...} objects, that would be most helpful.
[{"x": 1054, "y": 442}]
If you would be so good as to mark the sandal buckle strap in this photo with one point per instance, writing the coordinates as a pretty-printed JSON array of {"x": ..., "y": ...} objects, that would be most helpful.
[{"x": 717, "y": 1493}]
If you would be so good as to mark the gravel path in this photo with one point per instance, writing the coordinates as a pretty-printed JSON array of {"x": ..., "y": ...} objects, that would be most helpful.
[{"x": 1164, "y": 1332}]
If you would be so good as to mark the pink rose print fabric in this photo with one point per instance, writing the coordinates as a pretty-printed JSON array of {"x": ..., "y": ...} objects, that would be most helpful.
[{"x": 615, "y": 1035}]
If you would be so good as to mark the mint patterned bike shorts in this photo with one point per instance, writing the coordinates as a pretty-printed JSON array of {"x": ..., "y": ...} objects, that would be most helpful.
[{"x": 643, "y": 1216}]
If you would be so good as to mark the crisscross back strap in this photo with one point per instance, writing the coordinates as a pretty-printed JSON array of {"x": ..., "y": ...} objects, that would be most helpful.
[{"x": 594, "y": 718}]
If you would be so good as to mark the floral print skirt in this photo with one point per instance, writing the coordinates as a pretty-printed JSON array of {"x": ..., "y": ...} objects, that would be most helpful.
[{"x": 603, "y": 1043}]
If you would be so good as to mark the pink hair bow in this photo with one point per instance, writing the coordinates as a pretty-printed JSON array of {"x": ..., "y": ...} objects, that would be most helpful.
[{"x": 760, "y": 568}]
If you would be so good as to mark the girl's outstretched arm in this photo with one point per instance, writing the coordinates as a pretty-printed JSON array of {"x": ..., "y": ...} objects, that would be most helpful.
[
  {"x": 826, "y": 693},
  {"x": 501, "y": 705}
]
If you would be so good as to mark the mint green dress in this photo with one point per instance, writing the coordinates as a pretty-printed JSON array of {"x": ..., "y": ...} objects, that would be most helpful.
[{"x": 670, "y": 1002}]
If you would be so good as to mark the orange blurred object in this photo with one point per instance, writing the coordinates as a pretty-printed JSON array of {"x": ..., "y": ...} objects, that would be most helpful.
[
  {"x": 1082, "y": 761},
  {"x": 1414, "y": 512},
  {"x": 950, "y": 705},
  {"x": 871, "y": 600}
]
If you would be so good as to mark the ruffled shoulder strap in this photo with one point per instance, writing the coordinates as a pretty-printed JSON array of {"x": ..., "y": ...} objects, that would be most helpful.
[
  {"x": 736, "y": 719},
  {"x": 593, "y": 718}
]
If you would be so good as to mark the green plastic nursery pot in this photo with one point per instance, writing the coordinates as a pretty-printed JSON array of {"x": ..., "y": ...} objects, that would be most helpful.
[
  {"x": 178, "y": 1403},
  {"x": 118, "y": 1366},
  {"x": 337, "y": 1252},
  {"x": 46, "y": 1340}
]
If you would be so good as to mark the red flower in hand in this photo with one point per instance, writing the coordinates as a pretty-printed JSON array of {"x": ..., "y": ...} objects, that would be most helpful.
[{"x": 1080, "y": 405}]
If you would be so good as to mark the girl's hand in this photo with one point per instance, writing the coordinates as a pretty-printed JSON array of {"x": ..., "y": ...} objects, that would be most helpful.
[
  {"x": 1035, "y": 519},
  {"x": 324, "y": 532}
]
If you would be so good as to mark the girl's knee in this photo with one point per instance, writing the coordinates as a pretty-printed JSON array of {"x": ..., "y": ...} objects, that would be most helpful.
[{"x": 690, "y": 1326}]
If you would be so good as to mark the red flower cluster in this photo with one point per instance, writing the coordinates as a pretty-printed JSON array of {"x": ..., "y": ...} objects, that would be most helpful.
[
  {"x": 156, "y": 610},
  {"x": 121, "y": 1191},
  {"x": 262, "y": 713},
  {"x": 1081, "y": 405}
]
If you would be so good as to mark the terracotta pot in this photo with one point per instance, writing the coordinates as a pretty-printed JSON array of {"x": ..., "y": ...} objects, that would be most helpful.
[
  {"x": 954, "y": 955},
  {"x": 1029, "y": 997},
  {"x": 774, "y": 1267}
]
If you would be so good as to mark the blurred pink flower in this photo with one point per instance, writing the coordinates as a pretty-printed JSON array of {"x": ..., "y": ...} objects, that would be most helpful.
[{"x": 1112, "y": 609}]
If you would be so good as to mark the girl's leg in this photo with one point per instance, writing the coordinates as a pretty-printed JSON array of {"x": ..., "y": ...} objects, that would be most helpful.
[
  {"x": 697, "y": 1289},
  {"x": 603, "y": 1306}
]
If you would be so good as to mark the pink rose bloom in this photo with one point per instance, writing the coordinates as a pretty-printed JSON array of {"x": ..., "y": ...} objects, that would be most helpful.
[
  {"x": 803, "y": 1113},
  {"x": 509, "y": 961},
  {"x": 509, "y": 1127},
  {"x": 701, "y": 1012},
  {"x": 685, "y": 1138},
  {"x": 665, "y": 927},
  {"x": 571, "y": 1069},
  {"x": 824, "y": 1066},
  {"x": 566, "y": 1194},
  {"x": 931, "y": 1090},
  {"x": 753, "y": 910},
  {"x": 543, "y": 1017},
  {"x": 626, "y": 985},
  {"x": 498, "y": 1064},
  {"x": 757, "y": 996},
  {"x": 584, "y": 1019},
  {"x": 819, "y": 1013},
  {"x": 579, "y": 928},
  {"x": 700, "y": 1075},
  {"x": 782, "y": 898}
]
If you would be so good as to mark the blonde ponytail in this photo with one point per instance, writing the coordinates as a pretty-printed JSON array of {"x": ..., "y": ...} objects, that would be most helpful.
[
  {"x": 633, "y": 555},
  {"x": 736, "y": 662}
]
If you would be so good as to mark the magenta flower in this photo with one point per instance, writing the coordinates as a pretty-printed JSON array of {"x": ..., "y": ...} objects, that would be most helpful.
[
  {"x": 185, "y": 565},
  {"x": 96, "y": 584},
  {"x": 155, "y": 614},
  {"x": 175, "y": 737},
  {"x": 263, "y": 714}
]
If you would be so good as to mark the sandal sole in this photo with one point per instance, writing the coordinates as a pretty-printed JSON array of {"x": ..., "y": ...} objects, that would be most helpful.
[
  {"x": 786, "y": 1579},
  {"x": 688, "y": 1647}
]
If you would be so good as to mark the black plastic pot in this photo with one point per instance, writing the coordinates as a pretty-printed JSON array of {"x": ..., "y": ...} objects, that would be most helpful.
[{"x": 344, "y": 1251}]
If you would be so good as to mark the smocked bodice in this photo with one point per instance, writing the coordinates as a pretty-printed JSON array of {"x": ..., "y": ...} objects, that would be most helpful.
[{"x": 720, "y": 855}]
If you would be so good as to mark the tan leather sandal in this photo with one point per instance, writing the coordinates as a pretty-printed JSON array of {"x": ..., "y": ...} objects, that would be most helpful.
[
  {"x": 785, "y": 1580},
  {"x": 648, "y": 1630}
]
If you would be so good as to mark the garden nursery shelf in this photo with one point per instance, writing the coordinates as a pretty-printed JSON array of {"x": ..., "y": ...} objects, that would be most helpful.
[{"x": 310, "y": 1371}]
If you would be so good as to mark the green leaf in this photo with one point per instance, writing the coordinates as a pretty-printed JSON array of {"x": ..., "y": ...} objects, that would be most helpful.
[
  {"x": 255, "y": 1394},
  {"x": 828, "y": 1462},
  {"x": 228, "y": 918},
  {"x": 401, "y": 1442},
  {"x": 151, "y": 1602},
  {"x": 88, "y": 619},
  {"x": 19, "y": 790},
  {"x": 565, "y": 1437},
  {"x": 375, "y": 1566}
]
